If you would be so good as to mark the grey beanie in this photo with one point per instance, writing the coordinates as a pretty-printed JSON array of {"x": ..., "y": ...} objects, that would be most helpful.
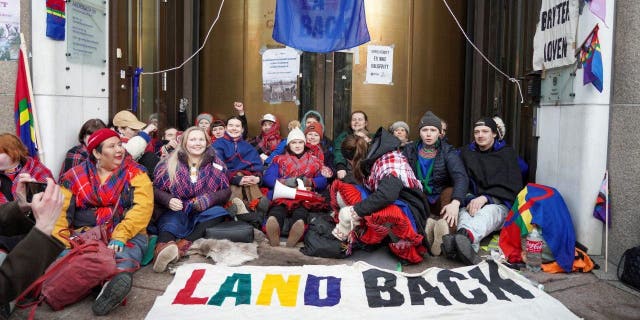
[
  {"x": 399, "y": 124},
  {"x": 430, "y": 119}
]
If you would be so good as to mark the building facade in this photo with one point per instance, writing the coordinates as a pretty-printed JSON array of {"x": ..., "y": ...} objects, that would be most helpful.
[{"x": 568, "y": 144}]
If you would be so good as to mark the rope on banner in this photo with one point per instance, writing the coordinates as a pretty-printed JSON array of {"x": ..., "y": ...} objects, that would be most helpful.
[
  {"x": 197, "y": 51},
  {"x": 512, "y": 79}
]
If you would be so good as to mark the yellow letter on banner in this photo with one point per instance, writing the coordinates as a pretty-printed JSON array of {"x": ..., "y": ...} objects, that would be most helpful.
[{"x": 287, "y": 290}]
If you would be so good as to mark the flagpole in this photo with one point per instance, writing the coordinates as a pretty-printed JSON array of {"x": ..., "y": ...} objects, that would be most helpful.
[
  {"x": 36, "y": 128},
  {"x": 606, "y": 222}
]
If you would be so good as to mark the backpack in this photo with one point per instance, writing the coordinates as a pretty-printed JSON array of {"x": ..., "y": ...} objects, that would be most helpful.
[
  {"x": 630, "y": 264},
  {"x": 69, "y": 279},
  {"x": 319, "y": 242}
]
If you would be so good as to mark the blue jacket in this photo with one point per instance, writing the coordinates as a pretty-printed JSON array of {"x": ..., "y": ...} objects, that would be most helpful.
[{"x": 239, "y": 156}]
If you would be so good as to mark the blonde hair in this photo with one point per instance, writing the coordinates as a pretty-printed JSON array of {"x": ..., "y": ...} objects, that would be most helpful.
[
  {"x": 293, "y": 124},
  {"x": 172, "y": 160}
]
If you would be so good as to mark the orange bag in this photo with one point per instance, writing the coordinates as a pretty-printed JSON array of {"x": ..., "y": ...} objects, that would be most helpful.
[{"x": 581, "y": 263}]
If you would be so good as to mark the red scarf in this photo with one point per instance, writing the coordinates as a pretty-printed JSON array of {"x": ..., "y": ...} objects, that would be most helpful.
[
  {"x": 32, "y": 166},
  {"x": 290, "y": 166},
  {"x": 316, "y": 150},
  {"x": 84, "y": 182},
  {"x": 269, "y": 140}
]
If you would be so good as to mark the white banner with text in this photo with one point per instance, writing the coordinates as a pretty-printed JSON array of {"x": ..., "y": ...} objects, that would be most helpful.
[
  {"x": 484, "y": 291},
  {"x": 554, "y": 43}
]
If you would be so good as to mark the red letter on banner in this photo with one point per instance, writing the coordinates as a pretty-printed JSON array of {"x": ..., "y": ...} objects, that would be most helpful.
[{"x": 184, "y": 296}]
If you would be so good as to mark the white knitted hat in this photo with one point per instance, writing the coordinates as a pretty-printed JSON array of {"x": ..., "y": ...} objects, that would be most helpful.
[{"x": 295, "y": 134}]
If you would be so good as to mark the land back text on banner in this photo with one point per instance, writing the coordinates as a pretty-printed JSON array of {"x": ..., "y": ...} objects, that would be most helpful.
[{"x": 485, "y": 291}]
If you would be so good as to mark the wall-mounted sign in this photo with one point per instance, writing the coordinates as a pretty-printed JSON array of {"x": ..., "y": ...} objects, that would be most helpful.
[
  {"x": 554, "y": 43},
  {"x": 86, "y": 31},
  {"x": 379, "y": 65},
  {"x": 280, "y": 68},
  {"x": 557, "y": 86},
  {"x": 9, "y": 29}
]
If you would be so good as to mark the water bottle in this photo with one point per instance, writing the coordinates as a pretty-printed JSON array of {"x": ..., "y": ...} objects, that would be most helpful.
[{"x": 534, "y": 250}]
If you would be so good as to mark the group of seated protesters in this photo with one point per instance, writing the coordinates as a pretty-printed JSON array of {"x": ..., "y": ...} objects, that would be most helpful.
[{"x": 381, "y": 188}]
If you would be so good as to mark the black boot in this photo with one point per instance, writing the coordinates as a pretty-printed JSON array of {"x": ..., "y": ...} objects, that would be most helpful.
[
  {"x": 466, "y": 254},
  {"x": 112, "y": 294}
]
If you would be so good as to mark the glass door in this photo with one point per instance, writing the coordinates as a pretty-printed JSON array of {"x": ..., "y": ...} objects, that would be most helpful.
[{"x": 326, "y": 88}]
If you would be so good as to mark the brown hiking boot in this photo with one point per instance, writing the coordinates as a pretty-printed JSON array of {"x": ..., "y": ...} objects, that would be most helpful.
[
  {"x": 183, "y": 247},
  {"x": 166, "y": 252},
  {"x": 273, "y": 231},
  {"x": 295, "y": 234}
]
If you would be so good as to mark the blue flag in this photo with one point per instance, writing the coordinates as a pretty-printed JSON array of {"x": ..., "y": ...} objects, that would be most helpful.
[{"x": 320, "y": 25}]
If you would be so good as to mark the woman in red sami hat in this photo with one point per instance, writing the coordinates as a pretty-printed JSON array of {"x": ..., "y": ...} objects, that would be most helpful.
[{"x": 109, "y": 189}]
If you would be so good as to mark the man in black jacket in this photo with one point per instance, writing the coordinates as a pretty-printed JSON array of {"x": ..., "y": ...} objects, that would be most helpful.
[
  {"x": 495, "y": 180},
  {"x": 31, "y": 257}
]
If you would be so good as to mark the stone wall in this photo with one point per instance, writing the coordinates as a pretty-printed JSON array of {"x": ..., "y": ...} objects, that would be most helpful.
[{"x": 624, "y": 132}]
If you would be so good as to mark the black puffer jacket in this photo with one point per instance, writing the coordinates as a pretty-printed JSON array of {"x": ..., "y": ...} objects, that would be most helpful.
[{"x": 448, "y": 169}]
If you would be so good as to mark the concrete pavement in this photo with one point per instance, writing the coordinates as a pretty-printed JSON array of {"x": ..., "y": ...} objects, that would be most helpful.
[{"x": 595, "y": 295}]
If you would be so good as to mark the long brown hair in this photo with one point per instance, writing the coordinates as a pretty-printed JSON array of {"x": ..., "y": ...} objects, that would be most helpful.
[{"x": 355, "y": 148}]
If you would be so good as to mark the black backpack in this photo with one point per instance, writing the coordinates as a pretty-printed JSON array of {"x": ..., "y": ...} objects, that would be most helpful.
[
  {"x": 319, "y": 242},
  {"x": 630, "y": 264}
]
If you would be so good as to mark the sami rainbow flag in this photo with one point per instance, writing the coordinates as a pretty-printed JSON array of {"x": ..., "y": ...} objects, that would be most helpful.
[
  {"x": 543, "y": 206},
  {"x": 22, "y": 108},
  {"x": 56, "y": 19}
]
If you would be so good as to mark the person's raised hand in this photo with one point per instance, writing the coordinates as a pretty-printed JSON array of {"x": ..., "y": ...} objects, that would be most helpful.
[
  {"x": 46, "y": 207},
  {"x": 239, "y": 106},
  {"x": 150, "y": 128}
]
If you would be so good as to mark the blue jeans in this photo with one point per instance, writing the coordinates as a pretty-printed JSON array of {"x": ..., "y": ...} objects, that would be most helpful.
[{"x": 134, "y": 249}]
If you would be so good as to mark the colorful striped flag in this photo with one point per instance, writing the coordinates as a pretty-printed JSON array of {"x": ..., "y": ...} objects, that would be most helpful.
[
  {"x": 543, "y": 206},
  {"x": 56, "y": 19},
  {"x": 591, "y": 59},
  {"x": 602, "y": 210},
  {"x": 23, "y": 116}
]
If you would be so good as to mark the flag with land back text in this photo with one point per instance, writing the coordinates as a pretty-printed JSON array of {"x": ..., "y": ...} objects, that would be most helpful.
[
  {"x": 22, "y": 109},
  {"x": 320, "y": 25}
]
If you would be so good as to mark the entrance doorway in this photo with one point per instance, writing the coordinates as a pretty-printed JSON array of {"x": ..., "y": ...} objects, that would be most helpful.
[{"x": 326, "y": 88}]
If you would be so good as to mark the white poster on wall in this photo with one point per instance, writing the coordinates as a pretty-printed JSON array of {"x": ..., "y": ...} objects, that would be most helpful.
[
  {"x": 280, "y": 68},
  {"x": 554, "y": 43},
  {"x": 379, "y": 65},
  {"x": 9, "y": 29}
]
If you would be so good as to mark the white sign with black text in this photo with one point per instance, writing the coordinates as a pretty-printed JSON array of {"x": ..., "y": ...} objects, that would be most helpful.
[
  {"x": 379, "y": 65},
  {"x": 554, "y": 43}
]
